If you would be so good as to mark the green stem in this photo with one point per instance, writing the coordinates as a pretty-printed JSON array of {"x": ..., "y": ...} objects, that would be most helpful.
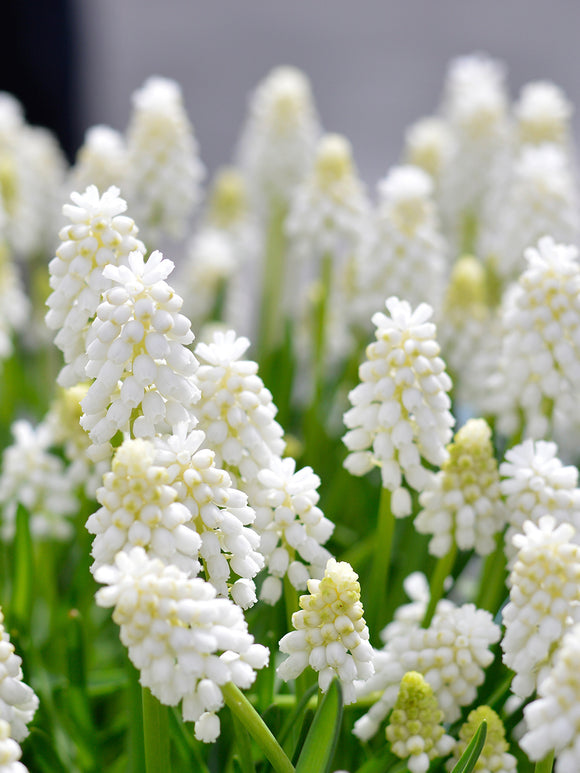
[
  {"x": 492, "y": 586},
  {"x": 442, "y": 570},
  {"x": 273, "y": 280},
  {"x": 243, "y": 710},
  {"x": 545, "y": 765},
  {"x": 23, "y": 567},
  {"x": 320, "y": 315},
  {"x": 155, "y": 733},
  {"x": 377, "y": 589}
]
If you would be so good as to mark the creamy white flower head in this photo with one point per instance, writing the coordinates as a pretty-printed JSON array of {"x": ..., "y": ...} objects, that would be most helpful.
[
  {"x": 137, "y": 354},
  {"x": 415, "y": 730},
  {"x": 536, "y": 483},
  {"x": 452, "y": 654},
  {"x": 278, "y": 141},
  {"x": 32, "y": 170},
  {"x": 185, "y": 642},
  {"x": 100, "y": 161},
  {"x": 469, "y": 331},
  {"x": 10, "y": 751},
  {"x": 475, "y": 108},
  {"x": 553, "y": 719},
  {"x": 164, "y": 172},
  {"x": 539, "y": 368},
  {"x": 462, "y": 503},
  {"x": 220, "y": 513},
  {"x": 330, "y": 210},
  {"x": 544, "y": 600},
  {"x": 14, "y": 304},
  {"x": 428, "y": 145},
  {"x": 409, "y": 254},
  {"x": 401, "y": 407},
  {"x": 331, "y": 635},
  {"x": 292, "y": 528},
  {"x": 540, "y": 198},
  {"x": 18, "y": 701},
  {"x": 37, "y": 479},
  {"x": 235, "y": 410},
  {"x": 543, "y": 114},
  {"x": 99, "y": 234},
  {"x": 494, "y": 757}
]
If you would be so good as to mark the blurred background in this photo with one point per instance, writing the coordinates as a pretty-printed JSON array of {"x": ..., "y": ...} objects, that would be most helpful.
[{"x": 375, "y": 66}]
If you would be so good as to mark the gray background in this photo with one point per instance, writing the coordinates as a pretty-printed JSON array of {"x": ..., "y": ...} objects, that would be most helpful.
[{"x": 375, "y": 65}]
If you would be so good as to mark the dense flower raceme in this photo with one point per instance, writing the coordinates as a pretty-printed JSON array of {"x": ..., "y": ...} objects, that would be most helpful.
[
  {"x": 185, "y": 642},
  {"x": 14, "y": 305},
  {"x": 36, "y": 478},
  {"x": 452, "y": 654},
  {"x": 543, "y": 115},
  {"x": 536, "y": 483},
  {"x": 331, "y": 635},
  {"x": 235, "y": 410},
  {"x": 278, "y": 142},
  {"x": 18, "y": 701},
  {"x": 495, "y": 757},
  {"x": 400, "y": 410},
  {"x": 544, "y": 600},
  {"x": 292, "y": 528},
  {"x": 539, "y": 368},
  {"x": 163, "y": 167},
  {"x": 101, "y": 160},
  {"x": 137, "y": 355},
  {"x": 553, "y": 719},
  {"x": 409, "y": 252},
  {"x": 428, "y": 145},
  {"x": 462, "y": 503},
  {"x": 415, "y": 730},
  {"x": 99, "y": 234},
  {"x": 10, "y": 751}
]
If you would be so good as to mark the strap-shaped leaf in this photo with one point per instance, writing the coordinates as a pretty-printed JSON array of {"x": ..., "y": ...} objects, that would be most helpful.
[
  {"x": 320, "y": 743},
  {"x": 466, "y": 763}
]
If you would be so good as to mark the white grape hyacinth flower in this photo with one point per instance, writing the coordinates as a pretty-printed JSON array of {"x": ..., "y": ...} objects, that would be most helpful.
[
  {"x": 553, "y": 719},
  {"x": 100, "y": 161},
  {"x": 278, "y": 142},
  {"x": 462, "y": 502},
  {"x": 36, "y": 478},
  {"x": 536, "y": 483},
  {"x": 235, "y": 409},
  {"x": 452, "y": 654},
  {"x": 543, "y": 114},
  {"x": 164, "y": 172},
  {"x": 15, "y": 307},
  {"x": 99, "y": 234},
  {"x": 544, "y": 600},
  {"x": 10, "y": 751},
  {"x": 291, "y": 526},
  {"x": 18, "y": 701},
  {"x": 539, "y": 368},
  {"x": 331, "y": 635},
  {"x": 401, "y": 407},
  {"x": 138, "y": 356},
  {"x": 428, "y": 145},
  {"x": 186, "y": 643}
]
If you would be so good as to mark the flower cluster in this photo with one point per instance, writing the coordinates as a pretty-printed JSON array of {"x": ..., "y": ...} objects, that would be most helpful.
[
  {"x": 400, "y": 410},
  {"x": 544, "y": 600},
  {"x": 289, "y": 523},
  {"x": 99, "y": 235},
  {"x": 462, "y": 503},
  {"x": 331, "y": 635},
  {"x": 137, "y": 354},
  {"x": 494, "y": 757},
  {"x": 10, "y": 751},
  {"x": 186, "y": 643},
  {"x": 536, "y": 483},
  {"x": 415, "y": 730}
]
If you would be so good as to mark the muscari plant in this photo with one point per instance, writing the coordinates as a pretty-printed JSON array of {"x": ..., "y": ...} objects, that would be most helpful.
[{"x": 306, "y": 497}]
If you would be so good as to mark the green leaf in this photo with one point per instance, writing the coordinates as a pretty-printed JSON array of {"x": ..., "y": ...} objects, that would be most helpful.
[
  {"x": 468, "y": 759},
  {"x": 22, "y": 593},
  {"x": 320, "y": 743}
]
